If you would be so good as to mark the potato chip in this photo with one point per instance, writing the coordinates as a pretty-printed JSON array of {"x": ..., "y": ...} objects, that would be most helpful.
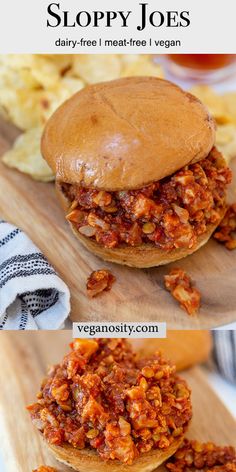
[
  {"x": 26, "y": 112},
  {"x": 226, "y": 140},
  {"x": 16, "y": 61},
  {"x": 214, "y": 102},
  {"x": 63, "y": 62},
  {"x": 71, "y": 85},
  {"x": 26, "y": 104},
  {"x": 43, "y": 70},
  {"x": 20, "y": 103},
  {"x": 27, "y": 79},
  {"x": 93, "y": 68},
  {"x": 142, "y": 66},
  {"x": 134, "y": 64},
  {"x": 230, "y": 104},
  {"x": 26, "y": 156},
  {"x": 223, "y": 109},
  {"x": 52, "y": 99},
  {"x": 225, "y": 133},
  {"x": 128, "y": 58},
  {"x": 3, "y": 113}
]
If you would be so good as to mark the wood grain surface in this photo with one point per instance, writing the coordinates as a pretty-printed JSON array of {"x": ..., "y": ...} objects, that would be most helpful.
[
  {"x": 24, "y": 358},
  {"x": 137, "y": 295}
]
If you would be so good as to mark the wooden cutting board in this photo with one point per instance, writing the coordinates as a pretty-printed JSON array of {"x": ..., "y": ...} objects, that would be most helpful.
[
  {"x": 137, "y": 295},
  {"x": 23, "y": 361}
]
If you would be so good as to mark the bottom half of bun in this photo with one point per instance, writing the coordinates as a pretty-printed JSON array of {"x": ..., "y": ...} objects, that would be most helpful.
[
  {"x": 143, "y": 256},
  {"x": 85, "y": 460}
]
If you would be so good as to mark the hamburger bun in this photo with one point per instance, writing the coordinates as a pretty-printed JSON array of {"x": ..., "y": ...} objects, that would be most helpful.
[
  {"x": 85, "y": 460},
  {"x": 123, "y": 135},
  {"x": 184, "y": 348},
  {"x": 126, "y": 133},
  {"x": 143, "y": 256}
]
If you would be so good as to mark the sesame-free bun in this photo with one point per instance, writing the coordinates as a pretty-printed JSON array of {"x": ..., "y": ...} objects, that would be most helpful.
[
  {"x": 126, "y": 133},
  {"x": 184, "y": 348},
  {"x": 143, "y": 256},
  {"x": 85, "y": 460}
]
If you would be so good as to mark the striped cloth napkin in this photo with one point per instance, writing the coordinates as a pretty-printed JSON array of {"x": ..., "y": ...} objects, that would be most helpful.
[
  {"x": 32, "y": 296},
  {"x": 224, "y": 353}
]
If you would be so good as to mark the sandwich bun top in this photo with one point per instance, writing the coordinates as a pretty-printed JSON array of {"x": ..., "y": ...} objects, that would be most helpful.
[{"x": 126, "y": 133}]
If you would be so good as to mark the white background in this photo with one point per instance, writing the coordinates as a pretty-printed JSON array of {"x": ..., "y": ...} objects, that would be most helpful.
[{"x": 212, "y": 30}]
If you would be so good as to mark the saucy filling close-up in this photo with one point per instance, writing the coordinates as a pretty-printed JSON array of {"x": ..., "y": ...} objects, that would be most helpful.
[
  {"x": 207, "y": 457},
  {"x": 171, "y": 213},
  {"x": 102, "y": 397}
]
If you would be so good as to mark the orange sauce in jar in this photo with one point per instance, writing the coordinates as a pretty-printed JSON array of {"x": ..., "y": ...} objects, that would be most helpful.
[{"x": 203, "y": 61}]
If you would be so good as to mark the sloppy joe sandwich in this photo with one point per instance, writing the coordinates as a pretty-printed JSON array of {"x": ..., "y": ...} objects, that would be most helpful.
[
  {"x": 102, "y": 406},
  {"x": 137, "y": 171}
]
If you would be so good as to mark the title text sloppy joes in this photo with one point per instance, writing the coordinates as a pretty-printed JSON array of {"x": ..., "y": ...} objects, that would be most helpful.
[
  {"x": 102, "y": 398},
  {"x": 137, "y": 171}
]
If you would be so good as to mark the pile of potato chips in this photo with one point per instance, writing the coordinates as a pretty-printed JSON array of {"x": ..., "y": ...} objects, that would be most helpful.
[
  {"x": 223, "y": 109},
  {"x": 33, "y": 86}
]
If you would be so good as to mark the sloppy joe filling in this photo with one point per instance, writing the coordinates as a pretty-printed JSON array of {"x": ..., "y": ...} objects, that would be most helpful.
[
  {"x": 208, "y": 457},
  {"x": 226, "y": 231},
  {"x": 45, "y": 468},
  {"x": 179, "y": 284},
  {"x": 102, "y": 397},
  {"x": 171, "y": 213},
  {"x": 99, "y": 281}
]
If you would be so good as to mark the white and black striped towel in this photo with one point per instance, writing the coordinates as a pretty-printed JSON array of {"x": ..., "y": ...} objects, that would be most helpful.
[
  {"x": 32, "y": 296},
  {"x": 225, "y": 353}
]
